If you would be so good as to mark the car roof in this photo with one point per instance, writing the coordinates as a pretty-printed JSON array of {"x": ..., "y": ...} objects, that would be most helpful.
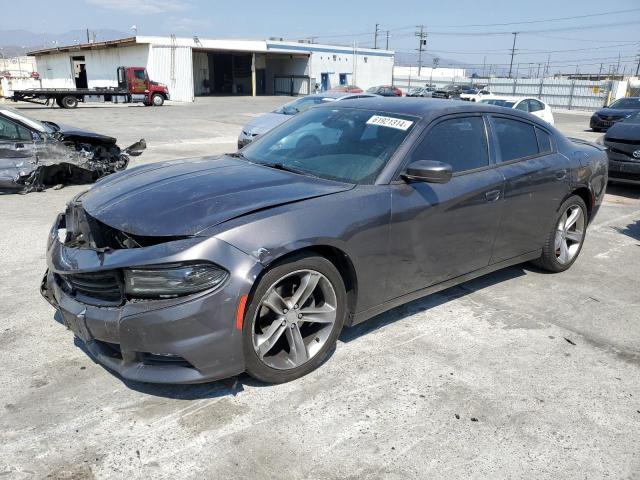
[{"x": 427, "y": 108}]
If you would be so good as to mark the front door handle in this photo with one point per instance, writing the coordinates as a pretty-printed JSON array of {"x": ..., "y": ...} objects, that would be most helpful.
[
  {"x": 492, "y": 195},
  {"x": 561, "y": 174},
  {"x": 19, "y": 146}
]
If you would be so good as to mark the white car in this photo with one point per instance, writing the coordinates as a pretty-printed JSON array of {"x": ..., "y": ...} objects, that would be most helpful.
[
  {"x": 526, "y": 104},
  {"x": 476, "y": 95}
]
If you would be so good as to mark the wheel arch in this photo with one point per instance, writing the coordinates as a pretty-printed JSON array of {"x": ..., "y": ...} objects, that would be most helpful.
[
  {"x": 587, "y": 196},
  {"x": 339, "y": 258}
]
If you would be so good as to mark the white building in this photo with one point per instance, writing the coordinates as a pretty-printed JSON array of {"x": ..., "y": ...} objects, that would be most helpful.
[
  {"x": 193, "y": 66},
  {"x": 424, "y": 72}
]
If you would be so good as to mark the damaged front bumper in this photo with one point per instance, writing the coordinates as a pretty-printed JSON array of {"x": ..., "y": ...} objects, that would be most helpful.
[{"x": 188, "y": 339}]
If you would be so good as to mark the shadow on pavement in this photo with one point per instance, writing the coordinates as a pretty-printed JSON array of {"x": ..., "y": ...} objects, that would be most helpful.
[
  {"x": 433, "y": 300},
  {"x": 623, "y": 189}
]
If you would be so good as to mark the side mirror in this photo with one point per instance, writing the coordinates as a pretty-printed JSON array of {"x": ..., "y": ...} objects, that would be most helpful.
[{"x": 428, "y": 171}]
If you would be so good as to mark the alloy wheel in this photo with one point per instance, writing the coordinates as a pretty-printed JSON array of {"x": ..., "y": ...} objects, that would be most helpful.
[
  {"x": 294, "y": 319},
  {"x": 569, "y": 234}
]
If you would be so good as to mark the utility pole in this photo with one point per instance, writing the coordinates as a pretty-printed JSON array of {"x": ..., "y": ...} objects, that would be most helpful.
[
  {"x": 599, "y": 72},
  {"x": 422, "y": 42},
  {"x": 88, "y": 39},
  {"x": 546, "y": 69},
  {"x": 618, "y": 65},
  {"x": 375, "y": 38},
  {"x": 538, "y": 74},
  {"x": 638, "y": 66},
  {"x": 387, "y": 44},
  {"x": 513, "y": 51},
  {"x": 484, "y": 65}
]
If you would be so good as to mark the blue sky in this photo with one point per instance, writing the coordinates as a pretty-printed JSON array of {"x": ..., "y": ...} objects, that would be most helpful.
[{"x": 568, "y": 42}]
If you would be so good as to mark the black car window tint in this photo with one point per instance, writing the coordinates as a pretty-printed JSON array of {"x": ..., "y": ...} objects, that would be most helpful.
[
  {"x": 460, "y": 142},
  {"x": 535, "y": 106},
  {"x": 544, "y": 141},
  {"x": 524, "y": 106},
  {"x": 515, "y": 139}
]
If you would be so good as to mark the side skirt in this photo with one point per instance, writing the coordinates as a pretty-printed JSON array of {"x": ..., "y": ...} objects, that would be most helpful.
[{"x": 396, "y": 302}]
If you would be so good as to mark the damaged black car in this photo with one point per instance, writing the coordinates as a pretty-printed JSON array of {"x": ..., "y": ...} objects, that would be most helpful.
[{"x": 35, "y": 155}]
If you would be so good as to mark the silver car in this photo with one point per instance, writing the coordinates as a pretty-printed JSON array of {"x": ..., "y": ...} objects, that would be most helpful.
[{"x": 268, "y": 121}]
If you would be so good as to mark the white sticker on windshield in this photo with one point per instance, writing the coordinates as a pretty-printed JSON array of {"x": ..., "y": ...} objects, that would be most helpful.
[{"x": 390, "y": 122}]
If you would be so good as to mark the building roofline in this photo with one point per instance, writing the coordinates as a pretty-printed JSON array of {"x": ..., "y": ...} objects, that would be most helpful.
[
  {"x": 84, "y": 46},
  {"x": 274, "y": 46}
]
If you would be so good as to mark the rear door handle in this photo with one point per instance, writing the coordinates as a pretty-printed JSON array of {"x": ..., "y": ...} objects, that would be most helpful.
[
  {"x": 492, "y": 195},
  {"x": 19, "y": 146}
]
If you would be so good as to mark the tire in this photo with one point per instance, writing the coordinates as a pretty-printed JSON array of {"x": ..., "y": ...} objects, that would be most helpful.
[
  {"x": 157, "y": 100},
  {"x": 59, "y": 102},
  {"x": 69, "y": 102},
  {"x": 272, "y": 333},
  {"x": 567, "y": 244}
]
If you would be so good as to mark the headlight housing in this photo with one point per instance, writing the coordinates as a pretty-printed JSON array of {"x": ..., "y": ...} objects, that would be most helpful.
[
  {"x": 168, "y": 281},
  {"x": 600, "y": 140}
]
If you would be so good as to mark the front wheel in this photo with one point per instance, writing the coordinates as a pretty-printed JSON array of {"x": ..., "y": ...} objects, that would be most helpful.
[
  {"x": 294, "y": 319},
  {"x": 157, "y": 100},
  {"x": 564, "y": 243}
]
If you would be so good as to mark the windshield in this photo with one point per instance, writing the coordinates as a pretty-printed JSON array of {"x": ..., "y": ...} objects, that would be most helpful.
[
  {"x": 31, "y": 122},
  {"x": 499, "y": 103},
  {"x": 347, "y": 145},
  {"x": 301, "y": 104},
  {"x": 631, "y": 103}
]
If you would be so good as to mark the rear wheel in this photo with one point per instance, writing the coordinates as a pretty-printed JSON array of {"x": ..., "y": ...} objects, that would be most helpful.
[
  {"x": 294, "y": 319},
  {"x": 69, "y": 102},
  {"x": 157, "y": 100},
  {"x": 565, "y": 240}
]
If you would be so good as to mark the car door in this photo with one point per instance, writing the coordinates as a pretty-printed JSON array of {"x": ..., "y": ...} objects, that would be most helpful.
[
  {"x": 16, "y": 140},
  {"x": 536, "y": 182},
  {"x": 441, "y": 231}
]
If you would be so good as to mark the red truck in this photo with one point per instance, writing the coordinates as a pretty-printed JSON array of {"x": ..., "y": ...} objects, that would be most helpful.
[{"x": 134, "y": 85}]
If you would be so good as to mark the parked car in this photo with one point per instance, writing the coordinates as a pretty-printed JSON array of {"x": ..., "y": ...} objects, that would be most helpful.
[
  {"x": 266, "y": 122},
  {"x": 35, "y": 155},
  {"x": 414, "y": 92},
  {"x": 526, "y": 104},
  {"x": 623, "y": 149},
  {"x": 616, "y": 112},
  {"x": 385, "y": 91},
  {"x": 195, "y": 270},
  {"x": 475, "y": 95},
  {"x": 347, "y": 89},
  {"x": 448, "y": 91}
]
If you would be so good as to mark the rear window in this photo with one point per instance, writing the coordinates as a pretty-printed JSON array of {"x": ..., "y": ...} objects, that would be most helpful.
[
  {"x": 544, "y": 141},
  {"x": 515, "y": 139}
]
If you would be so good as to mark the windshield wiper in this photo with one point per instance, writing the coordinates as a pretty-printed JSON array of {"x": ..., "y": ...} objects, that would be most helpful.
[{"x": 286, "y": 168}]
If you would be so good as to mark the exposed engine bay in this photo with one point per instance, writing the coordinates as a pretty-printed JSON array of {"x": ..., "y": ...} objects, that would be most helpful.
[{"x": 69, "y": 160}]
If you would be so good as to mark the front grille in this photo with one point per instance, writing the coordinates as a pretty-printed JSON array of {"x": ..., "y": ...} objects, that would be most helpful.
[
  {"x": 96, "y": 288},
  {"x": 624, "y": 141},
  {"x": 165, "y": 360}
]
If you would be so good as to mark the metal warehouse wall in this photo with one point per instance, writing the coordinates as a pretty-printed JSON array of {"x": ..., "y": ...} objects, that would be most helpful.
[
  {"x": 368, "y": 70},
  {"x": 173, "y": 66},
  {"x": 101, "y": 65}
]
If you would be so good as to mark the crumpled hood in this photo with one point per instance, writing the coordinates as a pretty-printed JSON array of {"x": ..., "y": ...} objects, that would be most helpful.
[
  {"x": 70, "y": 133},
  {"x": 264, "y": 123},
  {"x": 187, "y": 196}
]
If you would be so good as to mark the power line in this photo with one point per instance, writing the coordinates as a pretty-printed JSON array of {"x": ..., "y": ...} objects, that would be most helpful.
[{"x": 541, "y": 21}]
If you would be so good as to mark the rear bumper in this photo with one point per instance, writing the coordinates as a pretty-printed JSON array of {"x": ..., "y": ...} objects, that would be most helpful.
[{"x": 189, "y": 339}]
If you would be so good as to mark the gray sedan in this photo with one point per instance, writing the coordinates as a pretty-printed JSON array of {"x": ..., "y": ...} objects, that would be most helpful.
[
  {"x": 268, "y": 121},
  {"x": 191, "y": 271}
]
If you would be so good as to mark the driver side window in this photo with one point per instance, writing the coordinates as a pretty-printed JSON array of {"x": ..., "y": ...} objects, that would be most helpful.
[
  {"x": 460, "y": 142},
  {"x": 12, "y": 131},
  {"x": 523, "y": 105}
]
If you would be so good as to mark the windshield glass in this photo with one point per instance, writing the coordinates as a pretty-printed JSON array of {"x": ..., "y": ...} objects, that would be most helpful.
[
  {"x": 346, "y": 145},
  {"x": 633, "y": 103},
  {"x": 301, "y": 104},
  {"x": 499, "y": 103},
  {"x": 31, "y": 122}
]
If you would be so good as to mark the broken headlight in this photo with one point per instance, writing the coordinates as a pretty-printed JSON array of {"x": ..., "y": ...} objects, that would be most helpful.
[{"x": 172, "y": 280}]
